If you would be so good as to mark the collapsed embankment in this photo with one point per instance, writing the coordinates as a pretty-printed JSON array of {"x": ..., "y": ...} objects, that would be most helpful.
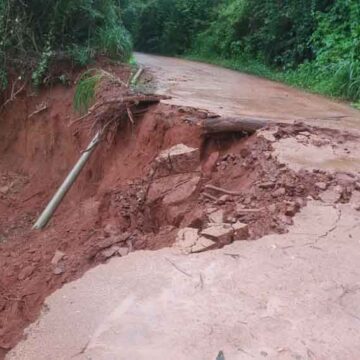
[{"x": 158, "y": 176}]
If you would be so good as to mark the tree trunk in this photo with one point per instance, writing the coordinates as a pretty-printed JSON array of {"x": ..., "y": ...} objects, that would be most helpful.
[{"x": 233, "y": 124}]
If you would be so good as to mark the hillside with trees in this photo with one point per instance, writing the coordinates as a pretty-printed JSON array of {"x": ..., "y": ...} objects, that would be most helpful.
[{"x": 36, "y": 33}]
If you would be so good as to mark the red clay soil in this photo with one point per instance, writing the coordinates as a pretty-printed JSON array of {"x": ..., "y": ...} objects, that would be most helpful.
[{"x": 108, "y": 205}]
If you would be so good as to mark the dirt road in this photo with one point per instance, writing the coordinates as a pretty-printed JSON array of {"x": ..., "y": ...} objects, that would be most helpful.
[{"x": 228, "y": 92}]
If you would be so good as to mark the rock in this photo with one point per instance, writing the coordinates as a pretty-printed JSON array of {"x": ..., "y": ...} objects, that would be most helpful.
[
  {"x": 305, "y": 133},
  {"x": 177, "y": 160},
  {"x": 210, "y": 164},
  {"x": 59, "y": 255},
  {"x": 267, "y": 185},
  {"x": 182, "y": 192},
  {"x": 321, "y": 185},
  {"x": 231, "y": 220},
  {"x": 193, "y": 218},
  {"x": 357, "y": 186},
  {"x": 291, "y": 208},
  {"x": 107, "y": 253},
  {"x": 279, "y": 192},
  {"x": 203, "y": 244},
  {"x": 344, "y": 179},
  {"x": 59, "y": 270},
  {"x": 26, "y": 272},
  {"x": 241, "y": 231},
  {"x": 175, "y": 214},
  {"x": 318, "y": 141},
  {"x": 4, "y": 189},
  {"x": 272, "y": 208},
  {"x": 223, "y": 199},
  {"x": 186, "y": 239},
  {"x": 287, "y": 220},
  {"x": 123, "y": 251},
  {"x": 111, "y": 230},
  {"x": 267, "y": 155},
  {"x": 268, "y": 135},
  {"x": 175, "y": 184},
  {"x": 302, "y": 139},
  {"x": 217, "y": 217},
  {"x": 331, "y": 196},
  {"x": 222, "y": 233}
]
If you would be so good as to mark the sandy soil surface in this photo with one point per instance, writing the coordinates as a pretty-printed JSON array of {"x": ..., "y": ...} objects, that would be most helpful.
[{"x": 232, "y": 93}]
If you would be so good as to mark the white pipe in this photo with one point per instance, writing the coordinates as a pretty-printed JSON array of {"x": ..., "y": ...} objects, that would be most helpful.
[
  {"x": 66, "y": 185},
  {"x": 137, "y": 76}
]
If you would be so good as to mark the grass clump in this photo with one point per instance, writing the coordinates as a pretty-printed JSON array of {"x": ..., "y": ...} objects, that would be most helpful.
[{"x": 86, "y": 90}]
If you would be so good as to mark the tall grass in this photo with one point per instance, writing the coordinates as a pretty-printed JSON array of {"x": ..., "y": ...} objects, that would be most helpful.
[{"x": 86, "y": 90}]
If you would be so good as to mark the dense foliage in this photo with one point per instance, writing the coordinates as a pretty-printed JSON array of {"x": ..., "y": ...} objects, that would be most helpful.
[
  {"x": 166, "y": 26},
  {"x": 34, "y": 32},
  {"x": 313, "y": 43}
]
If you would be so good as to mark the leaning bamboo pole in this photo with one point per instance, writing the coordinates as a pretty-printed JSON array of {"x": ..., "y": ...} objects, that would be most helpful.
[{"x": 54, "y": 203}]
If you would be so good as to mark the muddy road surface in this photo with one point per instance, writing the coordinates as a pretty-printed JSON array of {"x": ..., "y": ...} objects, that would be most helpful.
[
  {"x": 173, "y": 244},
  {"x": 232, "y": 93}
]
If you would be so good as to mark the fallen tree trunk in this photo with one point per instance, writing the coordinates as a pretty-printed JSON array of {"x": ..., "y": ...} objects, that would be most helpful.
[{"x": 233, "y": 124}]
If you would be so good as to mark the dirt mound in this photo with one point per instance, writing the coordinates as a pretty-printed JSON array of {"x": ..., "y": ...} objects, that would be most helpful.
[{"x": 159, "y": 176}]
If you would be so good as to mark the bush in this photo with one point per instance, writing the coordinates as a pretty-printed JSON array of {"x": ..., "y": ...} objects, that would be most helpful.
[{"x": 35, "y": 32}]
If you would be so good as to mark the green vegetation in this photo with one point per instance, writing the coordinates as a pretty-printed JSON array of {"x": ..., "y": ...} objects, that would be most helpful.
[
  {"x": 86, "y": 90},
  {"x": 314, "y": 44},
  {"x": 36, "y": 33}
]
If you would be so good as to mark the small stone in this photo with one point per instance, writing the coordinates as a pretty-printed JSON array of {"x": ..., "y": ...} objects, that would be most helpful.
[
  {"x": 267, "y": 155},
  {"x": 186, "y": 239},
  {"x": 222, "y": 233},
  {"x": 217, "y": 217},
  {"x": 26, "y": 272},
  {"x": 302, "y": 139},
  {"x": 247, "y": 200},
  {"x": 268, "y": 134},
  {"x": 287, "y": 220},
  {"x": 4, "y": 189},
  {"x": 182, "y": 192},
  {"x": 210, "y": 164},
  {"x": 176, "y": 160},
  {"x": 59, "y": 255},
  {"x": 344, "y": 179},
  {"x": 305, "y": 133},
  {"x": 60, "y": 269},
  {"x": 318, "y": 141},
  {"x": 241, "y": 231},
  {"x": 108, "y": 253},
  {"x": 111, "y": 229},
  {"x": 231, "y": 220},
  {"x": 267, "y": 185},
  {"x": 291, "y": 208},
  {"x": 203, "y": 244},
  {"x": 272, "y": 208},
  {"x": 123, "y": 251},
  {"x": 331, "y": 196},
  {"x": 223, "y": 199},
  {"x": 321, "y": 185},
  {"x": 279, "y": 192}
]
